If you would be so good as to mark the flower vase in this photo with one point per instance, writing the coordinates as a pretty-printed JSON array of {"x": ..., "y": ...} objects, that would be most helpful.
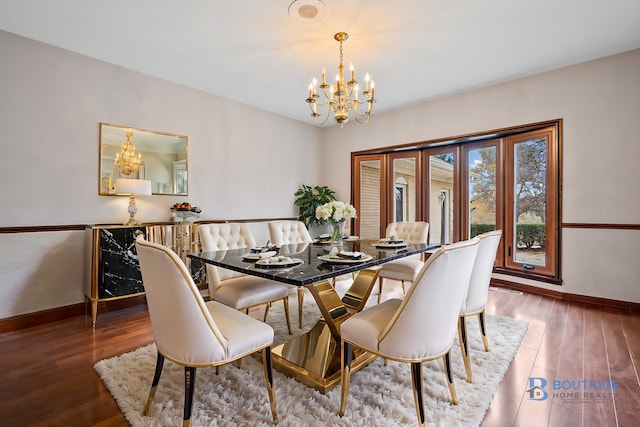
[{"x": 337, "y": 239}]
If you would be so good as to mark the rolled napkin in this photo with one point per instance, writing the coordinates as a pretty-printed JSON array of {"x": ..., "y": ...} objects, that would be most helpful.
[{"x": 266, "y": 255}]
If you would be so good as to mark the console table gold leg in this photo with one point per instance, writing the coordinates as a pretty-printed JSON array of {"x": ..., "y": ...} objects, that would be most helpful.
[{"x": 94, "y": 312}]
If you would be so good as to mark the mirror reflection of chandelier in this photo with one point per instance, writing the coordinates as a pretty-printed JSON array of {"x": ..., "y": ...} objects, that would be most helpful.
[
  {"x": 342, "y": 97},
  {"x": 127, "y": 160}
]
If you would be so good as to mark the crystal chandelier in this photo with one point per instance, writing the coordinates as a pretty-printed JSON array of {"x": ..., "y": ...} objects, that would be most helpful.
[
  {"x": 342, "y": 97},
  {"x": 127, "y": 160}
]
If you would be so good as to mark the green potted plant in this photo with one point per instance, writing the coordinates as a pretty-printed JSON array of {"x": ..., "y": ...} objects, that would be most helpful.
[{"x": 308, "y": 199}]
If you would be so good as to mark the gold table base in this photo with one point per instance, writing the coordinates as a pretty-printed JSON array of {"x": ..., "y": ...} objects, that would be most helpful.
[{"x": 314, "y": 358}]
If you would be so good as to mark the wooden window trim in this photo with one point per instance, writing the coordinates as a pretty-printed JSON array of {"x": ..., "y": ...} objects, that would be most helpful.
[
  {"x": 460, "y": 146},
  {"x": 552, "y": 218}
]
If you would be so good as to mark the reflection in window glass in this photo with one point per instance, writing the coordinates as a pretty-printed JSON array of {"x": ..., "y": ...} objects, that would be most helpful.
[
  {"x": 370, "y": 182},
  {"x": 482, "y": 190},
  {"x": 401, "y": 200},
  {"x": 530, "y": 195},
  {"x": 404, "y": 177},
  {"x": 441, "y": 212}
]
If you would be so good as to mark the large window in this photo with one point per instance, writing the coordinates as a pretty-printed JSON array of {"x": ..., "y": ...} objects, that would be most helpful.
[{"x": 503, "y": 179}]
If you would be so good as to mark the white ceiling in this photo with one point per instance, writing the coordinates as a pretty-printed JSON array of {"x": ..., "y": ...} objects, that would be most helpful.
[{"x": 255, "y": 53}]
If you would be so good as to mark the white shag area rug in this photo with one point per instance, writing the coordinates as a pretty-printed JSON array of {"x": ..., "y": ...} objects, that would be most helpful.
[{"x": 379, "y": 395}]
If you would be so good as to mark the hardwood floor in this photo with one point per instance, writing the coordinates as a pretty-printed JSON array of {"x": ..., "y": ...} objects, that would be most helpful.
[{"x": 48, "y": 377}]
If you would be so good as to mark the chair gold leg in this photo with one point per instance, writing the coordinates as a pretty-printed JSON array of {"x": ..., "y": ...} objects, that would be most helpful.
[
  {"x": 268, "y": 375},
  {"x": 154, "y": 383},
  {"x": 285, "y": 301},
  {"x": 483, "y": 330},
  {"x": 266, "y": 311},
  {"x": 464, "y": 346},
  {"x": 346, "y": 356},
  {"x": 416, "y": 381},
  {"x": 403, "y": 289},
  {"x": 447, "y": 370},
  {"x": 300, "y": 302},
  {"x": 380, "y": 279}
]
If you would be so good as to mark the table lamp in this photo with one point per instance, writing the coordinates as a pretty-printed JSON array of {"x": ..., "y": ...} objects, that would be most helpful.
[{"x": 132, "y": 188}]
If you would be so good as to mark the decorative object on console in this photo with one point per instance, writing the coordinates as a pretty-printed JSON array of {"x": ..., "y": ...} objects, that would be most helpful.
[
  {"x": 184, "y": 212},
  {"x": 132, "y": 188},
  {"x": 342, "y": 97}
]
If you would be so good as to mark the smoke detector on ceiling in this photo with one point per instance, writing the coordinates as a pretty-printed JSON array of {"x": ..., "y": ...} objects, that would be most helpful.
[{"x": 307, "y": 10}]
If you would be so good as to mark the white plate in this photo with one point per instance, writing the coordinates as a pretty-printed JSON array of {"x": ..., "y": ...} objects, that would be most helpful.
[
  {"x": 251, "y": 256},
  {"x": 280, "y": 264},
  {"x": 350, "y": 238},
  {"x": 337, "y": 260}
]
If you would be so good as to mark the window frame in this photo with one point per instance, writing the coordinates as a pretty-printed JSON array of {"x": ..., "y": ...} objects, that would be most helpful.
[
  {"x": 552, "y": 219},
  {"x": 461, "y": 145}
]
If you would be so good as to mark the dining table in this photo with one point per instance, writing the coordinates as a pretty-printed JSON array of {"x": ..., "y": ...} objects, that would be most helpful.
[{"x": 313, "y": 358}]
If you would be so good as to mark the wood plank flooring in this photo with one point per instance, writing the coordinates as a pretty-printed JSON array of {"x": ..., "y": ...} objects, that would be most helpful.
[{"x": 48, "y": 378}]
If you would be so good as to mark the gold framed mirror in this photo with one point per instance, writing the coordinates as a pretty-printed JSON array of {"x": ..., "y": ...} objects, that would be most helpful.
[{"x": 162, "y": 159}]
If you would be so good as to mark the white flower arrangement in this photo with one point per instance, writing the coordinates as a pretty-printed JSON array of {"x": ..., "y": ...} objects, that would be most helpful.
[{"x": 335, "y": 211}]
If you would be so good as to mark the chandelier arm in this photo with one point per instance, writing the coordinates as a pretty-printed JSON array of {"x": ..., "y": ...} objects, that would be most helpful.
[{"x": 359, "y": 120}]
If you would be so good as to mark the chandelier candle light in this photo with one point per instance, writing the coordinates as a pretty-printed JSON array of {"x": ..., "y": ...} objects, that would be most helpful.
[{"x": 341, "y": 97}]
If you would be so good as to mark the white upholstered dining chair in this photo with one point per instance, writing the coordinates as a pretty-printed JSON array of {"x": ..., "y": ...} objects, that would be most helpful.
[
  {"x": 234, "y": 289},
  {"x": 420, "y": 327},
  {"x": 285, "y": 232},
  {"x": 404, "y": 269},
  {"x": 192, "y": 333},
  {"x": 478, "y": 294}
]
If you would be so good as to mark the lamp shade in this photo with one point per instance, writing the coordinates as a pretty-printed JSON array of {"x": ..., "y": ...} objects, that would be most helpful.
[{"x": 133, "y": 186}]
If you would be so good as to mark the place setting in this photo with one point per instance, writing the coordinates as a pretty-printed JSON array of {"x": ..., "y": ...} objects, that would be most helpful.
[
  {"x": 390, "y": 243},
  {"x": 344, "y": 257},
  {"x": 270, "y": 259},
  {"x": 325, "y": 239},
  {"x": 265, "y": 251}
]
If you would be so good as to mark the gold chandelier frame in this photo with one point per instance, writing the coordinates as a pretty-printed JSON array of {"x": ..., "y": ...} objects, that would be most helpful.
[{"x": 341, "y": 98}]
